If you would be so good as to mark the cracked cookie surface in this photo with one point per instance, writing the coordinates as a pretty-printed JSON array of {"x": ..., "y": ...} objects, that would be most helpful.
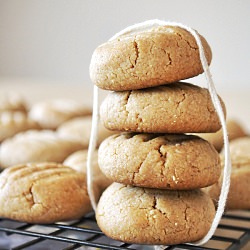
[
  {"x": 43, "y": 193},
  {"x": 177, "y": 162},
  {"x": 147, "y": 58},
  {"x": 153, "y": 216},
  {"x": 173, "y": 108}
]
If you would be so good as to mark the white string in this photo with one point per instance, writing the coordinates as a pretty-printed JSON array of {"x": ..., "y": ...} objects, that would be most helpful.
[
  {"x": 217, "y": 106},
  {"x": 92, "y": 147}
]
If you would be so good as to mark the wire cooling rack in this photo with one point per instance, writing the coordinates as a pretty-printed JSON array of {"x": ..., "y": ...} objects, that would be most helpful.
[{"x": 232, "y": 233}]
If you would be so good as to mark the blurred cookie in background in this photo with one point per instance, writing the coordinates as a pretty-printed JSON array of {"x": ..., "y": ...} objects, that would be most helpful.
[
  {"x": 13, "y": 122},
  {"x": 36, "y": 146},
  {"x": 238, "y": 197},
  {"x": 78, "y": 161},
  {"x": 51, "y": 114},
  {"x": 13, "y": 102},
  {"x": 234, "y": 128},
  {"x": 79, "y": 129}
]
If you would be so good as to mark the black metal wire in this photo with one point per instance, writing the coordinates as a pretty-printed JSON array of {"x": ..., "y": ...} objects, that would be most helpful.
[{"x": 91, "y": 236}]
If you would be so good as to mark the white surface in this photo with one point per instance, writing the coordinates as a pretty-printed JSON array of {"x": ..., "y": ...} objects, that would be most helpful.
[{"x": 54, "y": 40}]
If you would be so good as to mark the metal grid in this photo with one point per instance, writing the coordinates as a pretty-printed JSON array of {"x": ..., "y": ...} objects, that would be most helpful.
[{"x": 232, "y": 233}]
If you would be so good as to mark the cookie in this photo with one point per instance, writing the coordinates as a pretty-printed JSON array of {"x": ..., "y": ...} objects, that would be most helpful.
[
  {"x": 36, "y": 146},
  {"x": 78, "y": 161},
  {"x": 79, "y": 129},
  {"x": 153, "y": 216},
  {"x": 177, "y": 162},
  {"x": 13, "y": 122},
  {"x": 147, "y": 58},
  {"x": 43, "y": 193},
  {"x": 51, "y": 114},
  {"x": 238, "y": 196},
  {"x": 173, "y": 108},
  {"x": 234, "y": 129},
  {"x": 13, "y": 102}
]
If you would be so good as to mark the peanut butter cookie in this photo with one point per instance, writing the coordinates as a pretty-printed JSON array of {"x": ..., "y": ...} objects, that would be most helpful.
[
  {"x": 43, "y": 193},
  {"x": 173, "y": 108},
  {"x": 177, "y": 162},
  {"x": 154, "y": 216},
  {"x": 147, "y": 58}
]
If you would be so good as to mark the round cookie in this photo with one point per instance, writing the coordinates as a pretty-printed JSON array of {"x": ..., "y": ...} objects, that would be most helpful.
[
  {"x": 79, "y": 129},
  {"x": 173, "y": 108},
  {"x": 78, "y": 161},
  {"x": 238, "y": 196},
  {"x": 13, "y": 122},
  {"x": 177, "y": 162},
  {"x": 43, "y": 193},
  {"x": 234, "y": 129},
  {"x": 153, "y": 216},
  {"x": 146, "y": 58},
  {"x": 51, "y": 114},
  {"x": 36, "y": 146}
]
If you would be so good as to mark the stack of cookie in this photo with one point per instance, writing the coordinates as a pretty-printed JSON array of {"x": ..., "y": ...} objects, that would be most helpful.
[{"x": 158, "y": 170}]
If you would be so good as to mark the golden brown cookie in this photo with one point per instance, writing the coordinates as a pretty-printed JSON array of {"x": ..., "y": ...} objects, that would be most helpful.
[
  {"x": 36, "y": 146},
  {"x": 13, "y": 102},
  {"x": 43, "y": 193},
  {"x": 154, "y": 216},
  {"x": 234, "y": 129},
  {"x": 173, "y": 108},
  {"x": 79, "y": 129},
  {"x": 238, "y": 197},
  {"x": 78, "y": 161},
  {"x": 12, "y": 122},
  {"x": 51, "y": 114},
  {"x": 177, "y": 162},
  {"x": 147, "y": 58}
]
